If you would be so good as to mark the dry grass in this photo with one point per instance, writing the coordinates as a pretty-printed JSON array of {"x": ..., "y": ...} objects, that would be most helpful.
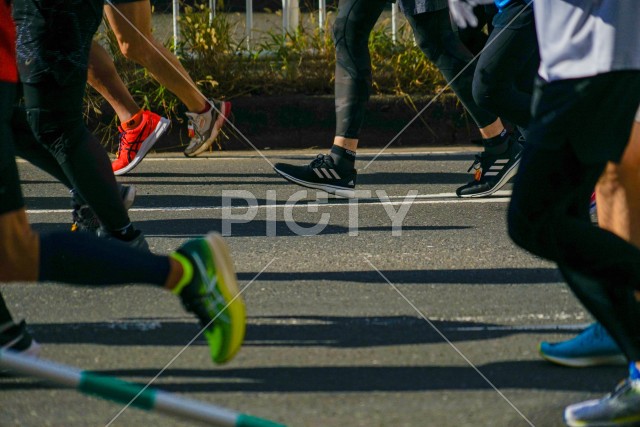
[{"x": 297, "y": 63}]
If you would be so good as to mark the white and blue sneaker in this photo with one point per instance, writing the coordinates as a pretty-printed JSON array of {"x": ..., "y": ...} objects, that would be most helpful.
[
  {"x": 593, "y": 347},
  {"x": 619, "y": 408}
]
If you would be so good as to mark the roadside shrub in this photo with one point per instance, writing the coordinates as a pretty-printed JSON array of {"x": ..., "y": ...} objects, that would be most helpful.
[{"x": 299, "y": 62}]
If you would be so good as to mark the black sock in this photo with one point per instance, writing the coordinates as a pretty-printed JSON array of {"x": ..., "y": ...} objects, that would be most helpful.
[
  {"x": 83, "y": 259},
  {"x": 343, "y": 158},
  {"x": 498, "y": 144},
  {"x": 125, "y": 234}
]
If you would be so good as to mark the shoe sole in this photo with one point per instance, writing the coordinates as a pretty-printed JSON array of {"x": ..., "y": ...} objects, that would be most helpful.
[
  {"x": 511, "y": 172},
  {"x": 225, "y": 111},
  {"x": 331, "y": 189},
  {"x": 33, "y": 350},
  {"x": 584, "y": 362},
  {"x": 146, "y": 145},
  {"x": 630, "y": 421},
  {"x": 228, "y": 287}
]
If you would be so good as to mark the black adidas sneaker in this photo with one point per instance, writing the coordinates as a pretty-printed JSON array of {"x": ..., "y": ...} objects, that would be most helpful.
[
  {"x": 492, "y": 171},
  {"x": 320, "y": 174}
]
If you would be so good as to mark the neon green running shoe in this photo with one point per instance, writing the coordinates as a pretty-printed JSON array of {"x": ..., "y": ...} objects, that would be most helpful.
[{"x": 209, "y": 290}]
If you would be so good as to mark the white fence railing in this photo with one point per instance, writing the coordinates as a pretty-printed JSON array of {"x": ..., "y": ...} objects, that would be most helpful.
[{"x": 290, "y": 18}]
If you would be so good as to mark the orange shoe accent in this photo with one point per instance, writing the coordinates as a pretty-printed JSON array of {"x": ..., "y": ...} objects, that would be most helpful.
[{"x": 134, "y": 121}]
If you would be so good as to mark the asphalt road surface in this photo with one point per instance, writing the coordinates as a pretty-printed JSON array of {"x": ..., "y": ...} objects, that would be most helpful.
[{"x": 347, "y": 326}]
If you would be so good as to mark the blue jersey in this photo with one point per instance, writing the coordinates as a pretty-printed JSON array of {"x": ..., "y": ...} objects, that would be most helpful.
[{"x": 501, "y": 4}]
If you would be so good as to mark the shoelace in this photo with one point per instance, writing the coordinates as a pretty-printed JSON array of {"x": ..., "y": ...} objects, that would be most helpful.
[
  {"x": 478, "y": 166},
  {"x": 477, "y": 161},
  {"x": 120, "y": 140},
  {"x": 622, "y": 387},
  {"x": 121, "y": 143},
  {"x": 191, "y": 124},
  {"x": 322, "y": 159}
]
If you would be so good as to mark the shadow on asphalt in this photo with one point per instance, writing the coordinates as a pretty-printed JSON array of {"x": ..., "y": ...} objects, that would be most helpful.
[
  {"x": 471, "y": 276},
  {"x": 332, "y": 332},
  {"x": 194, "y": 227},
  {"x": 416, "y": 177},
  {"x": 527, "y": 375},
  {"x": 282, "y": 331}
]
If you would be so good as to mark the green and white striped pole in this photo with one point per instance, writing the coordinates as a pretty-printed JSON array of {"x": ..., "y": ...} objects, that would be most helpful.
[{"x": 115, "y": 389}]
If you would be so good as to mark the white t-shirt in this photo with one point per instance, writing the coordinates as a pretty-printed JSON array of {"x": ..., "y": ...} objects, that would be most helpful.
[{"x": 582, "y": 38}]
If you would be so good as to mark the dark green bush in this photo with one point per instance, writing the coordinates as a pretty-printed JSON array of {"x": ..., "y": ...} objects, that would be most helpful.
[{"x": 301, "y": 62}]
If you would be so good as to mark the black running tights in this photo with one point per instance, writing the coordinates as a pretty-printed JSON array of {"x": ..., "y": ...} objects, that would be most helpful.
[
  {"x": 54, "y": 114},
  {"x": 576, "y": 128},
  {"x": 442, "y": 46}
]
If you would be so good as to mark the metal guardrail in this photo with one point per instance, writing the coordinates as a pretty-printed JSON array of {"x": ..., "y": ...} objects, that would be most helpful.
[{"x": 290, "y": 18}]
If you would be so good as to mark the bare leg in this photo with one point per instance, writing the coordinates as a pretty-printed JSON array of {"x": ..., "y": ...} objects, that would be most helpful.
[
  {"x": 104, "y": 78},
  {"x": 19, "y": 248},
  {"x": 618, "y": 193},
  {"x": 346, "y": 143},
  {"x": 133, "y": 31},
  {"x": 493, "y": 130}
]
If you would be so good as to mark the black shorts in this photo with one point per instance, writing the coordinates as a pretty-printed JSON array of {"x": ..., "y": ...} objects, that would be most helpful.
[
  {"x": 594, "y": 114},
  {"x": 54, "y": 38}
]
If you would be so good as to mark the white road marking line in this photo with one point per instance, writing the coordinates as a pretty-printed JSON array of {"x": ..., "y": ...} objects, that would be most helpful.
[
  {"x": 362, "y": 155},
  {"x": 424, "y": 199}
]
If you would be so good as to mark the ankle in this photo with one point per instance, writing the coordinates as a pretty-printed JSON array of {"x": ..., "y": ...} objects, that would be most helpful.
[
  {"x": 180, "y": 273},
  {"x": 497, "y": 144},
  {"x": 126, "y": 234},
  {"x": 134, "y": 121},
  {"x": 342, "y": 157},
  {"x": 206, "y": 108}
]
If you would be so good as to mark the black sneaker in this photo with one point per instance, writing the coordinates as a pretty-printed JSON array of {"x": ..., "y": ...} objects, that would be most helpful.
[
  {"x": 492, "y": 171},
  {"x": 320, "y": 174},
  {"x": 139, "y": 241},
  {"x": 83, "y": 217},
  {"x": 17, "y": 338}
]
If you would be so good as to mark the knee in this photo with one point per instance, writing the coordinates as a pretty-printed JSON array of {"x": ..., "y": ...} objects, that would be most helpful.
[
  {"x": 486, "y": 93},
  {"x": 431, "y": 47},
  {"x": 610, "y": 181},
  {"x": 352, "y": 48},
  {"x": 533, "y": 232},
  {"x": 58, "y": 133},
  {"x": 137, "y": 49},
  {"x": 519, "y": 227}
]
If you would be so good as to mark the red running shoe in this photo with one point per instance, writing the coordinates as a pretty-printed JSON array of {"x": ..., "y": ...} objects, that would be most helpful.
[{"x": 136, "y": 143}]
